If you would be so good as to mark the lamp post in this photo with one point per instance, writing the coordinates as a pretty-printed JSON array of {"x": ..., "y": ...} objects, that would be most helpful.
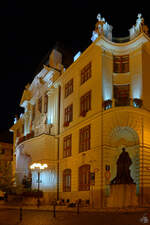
[{"x": 38, "y": 167}]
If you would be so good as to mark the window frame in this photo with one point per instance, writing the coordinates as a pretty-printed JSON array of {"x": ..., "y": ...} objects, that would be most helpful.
[
  {"x": 68, "y": 88},
  {"x": 84, "y": 177},
  {"x": 33, "y": 112},
  {"x": 66, "y": 175},
  {"x": 67, "y": 149},
  {"x": 68, "y": 114},
  {"x": 85, "y": 138},
  {"x": 86, "y": 73},
  {"x": 85, "y": 103},
  {"x": 40, "y": 104},
  {"x": 45, "y": 103},
  {"x": 121, "y": 100},
  {"x": 121, "y": 64}
]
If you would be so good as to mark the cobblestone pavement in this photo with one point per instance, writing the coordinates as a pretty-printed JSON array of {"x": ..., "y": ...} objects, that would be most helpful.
[{"x": 38, "y": 217}]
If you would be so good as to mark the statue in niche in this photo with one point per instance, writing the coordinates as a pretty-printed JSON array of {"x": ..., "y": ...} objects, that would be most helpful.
[{"x": 123, "y": 171}]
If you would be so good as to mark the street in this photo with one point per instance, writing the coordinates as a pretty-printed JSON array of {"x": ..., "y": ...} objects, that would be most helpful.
[{"x": 40, "y": 217}]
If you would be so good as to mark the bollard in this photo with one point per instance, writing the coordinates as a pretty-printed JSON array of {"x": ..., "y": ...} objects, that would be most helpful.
[
  {"x": 20, "y": 214},
  {"x": 78, "y": 204},
  {"x": 54, "y": 209}
]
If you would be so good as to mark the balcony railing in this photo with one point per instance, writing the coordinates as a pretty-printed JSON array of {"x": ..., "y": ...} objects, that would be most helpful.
[{"x": 24, "y": 138}]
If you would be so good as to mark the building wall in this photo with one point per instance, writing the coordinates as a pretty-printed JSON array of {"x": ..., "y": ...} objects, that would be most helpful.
[
  {"x": 6, "y": 164},
  {"x": 92, "y": 156},
  {"x": 146, "y": 78},
  {"x": 111, "y": 130}
]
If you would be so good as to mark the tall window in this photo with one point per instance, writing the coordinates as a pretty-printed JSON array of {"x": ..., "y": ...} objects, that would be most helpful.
[
  {"x": 84, "y": 139},
  {"x": 67, "y": 146},
  {"x": 67, "y": 180},
  {"x": 121, "y": 64},
  {"x": 86, "y": 73},
  {"x": 84, "y": 178},
  {"x": 40, "y": 104},
  {"x": 22, "y": 128},
  {"x": 121, "y": 95},
  {"x": 33, "y": 112},
  {"x": 45, "y": 103},
  {"x": 68, "y": 88},
  {"x": 85, "y": 103},
  {"x": 68, "y": 115}
]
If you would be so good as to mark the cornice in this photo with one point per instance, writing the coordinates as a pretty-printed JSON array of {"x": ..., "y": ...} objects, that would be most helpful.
[{"x": 122, "y": 48}]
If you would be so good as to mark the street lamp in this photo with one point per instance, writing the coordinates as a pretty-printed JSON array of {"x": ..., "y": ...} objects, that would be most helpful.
[{"x": 38, "y": 167}]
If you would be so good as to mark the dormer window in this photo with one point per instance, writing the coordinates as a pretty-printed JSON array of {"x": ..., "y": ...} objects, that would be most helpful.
[{"x": 121, "y": 64}]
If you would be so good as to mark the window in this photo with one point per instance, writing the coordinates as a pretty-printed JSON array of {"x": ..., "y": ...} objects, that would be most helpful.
[
  {"x": 84, "y": 139},
  {"x": 33, "y": 112},
  {"x": 67, "y": 146},
  {"x": 68, "y": 115},
  {"x": 40, "y": 104},
  {"x": 45, "y": 103},
  {"x": 85, "y": 103},
  {"x": 84, "y": 178},
  {"x": 68, "y": 88},
  {"x": 121, "y": 95},
  {"x": 121, "y": 64},
  {"x": 23, "y": 128},
  {"x": 67, "y": 180},
  {"x": 86, "y": 73}
]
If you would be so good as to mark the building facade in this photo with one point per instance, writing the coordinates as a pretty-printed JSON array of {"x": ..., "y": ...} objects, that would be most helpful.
[
  {"x": 77, "y": 120},
  {"x": 6, "y": 165}
]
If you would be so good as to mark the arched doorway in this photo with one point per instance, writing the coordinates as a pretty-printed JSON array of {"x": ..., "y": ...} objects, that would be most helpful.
[{"x": 118, "y": 138}]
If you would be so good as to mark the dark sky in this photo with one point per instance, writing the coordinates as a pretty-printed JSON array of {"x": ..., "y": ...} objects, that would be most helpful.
[{"x": 29, "y": 29}]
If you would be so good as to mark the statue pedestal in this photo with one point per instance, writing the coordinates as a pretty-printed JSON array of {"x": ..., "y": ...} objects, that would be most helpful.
[{"x": 122, "y": 195}]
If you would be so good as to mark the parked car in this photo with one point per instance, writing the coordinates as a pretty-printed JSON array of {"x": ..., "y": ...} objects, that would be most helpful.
[{"x": 2, "y": 195}]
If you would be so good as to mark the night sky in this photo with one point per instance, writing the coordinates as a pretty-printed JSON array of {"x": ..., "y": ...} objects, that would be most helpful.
[{"x": 29, "y": 29}]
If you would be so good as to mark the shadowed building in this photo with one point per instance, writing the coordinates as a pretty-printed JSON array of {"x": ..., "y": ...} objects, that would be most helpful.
[
  {"x": 6, "y": 160},
  {"x": 78, "y": 120}
]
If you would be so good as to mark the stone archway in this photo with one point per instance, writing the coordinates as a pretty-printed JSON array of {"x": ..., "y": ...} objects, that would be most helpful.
[{"x": 118, "y": 138}]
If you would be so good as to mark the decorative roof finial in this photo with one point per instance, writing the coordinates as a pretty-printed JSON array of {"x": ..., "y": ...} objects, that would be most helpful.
[
  {"x": 102, "y": 28},
  {"x": 139, "y": 27},
  {"x": 99, "y": 17}
]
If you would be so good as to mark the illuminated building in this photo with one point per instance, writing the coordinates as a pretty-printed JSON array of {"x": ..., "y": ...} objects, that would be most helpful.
[{"x": 77, "y": 120}]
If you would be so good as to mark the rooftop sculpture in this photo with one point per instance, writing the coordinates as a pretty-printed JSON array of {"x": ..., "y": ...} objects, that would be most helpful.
[
  {"x": 102, "y": 28},
  {"x": 138, "y": 28}
]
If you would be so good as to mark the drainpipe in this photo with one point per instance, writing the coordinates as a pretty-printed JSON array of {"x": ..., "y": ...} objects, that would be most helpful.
[{"x": 59, "y": 99}]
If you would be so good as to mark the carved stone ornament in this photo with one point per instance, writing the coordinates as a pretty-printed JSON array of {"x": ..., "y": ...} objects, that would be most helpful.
[
  {"x": 40, "y": 125},
  {"x": 102, "y": 28},
  {"x": 139, "y": 27}
]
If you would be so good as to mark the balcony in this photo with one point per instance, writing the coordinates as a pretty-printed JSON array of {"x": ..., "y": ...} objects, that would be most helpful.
[
  {"x": 45, "y": 129},
  {"x": 24, "y": 138}
]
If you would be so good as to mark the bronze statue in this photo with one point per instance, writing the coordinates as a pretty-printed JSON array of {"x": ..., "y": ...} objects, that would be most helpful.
[{"x": 123, "y": 171}]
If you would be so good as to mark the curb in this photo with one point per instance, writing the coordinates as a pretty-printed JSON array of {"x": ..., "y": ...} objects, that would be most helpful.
[{"x": 66, "y": 209}]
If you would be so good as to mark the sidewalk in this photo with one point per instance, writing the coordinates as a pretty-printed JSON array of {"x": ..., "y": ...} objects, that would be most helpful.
[{"x": 4, "y": 205}]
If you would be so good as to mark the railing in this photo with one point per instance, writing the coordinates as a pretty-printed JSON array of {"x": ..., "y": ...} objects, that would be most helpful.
[{"x": 24, "y": 138}]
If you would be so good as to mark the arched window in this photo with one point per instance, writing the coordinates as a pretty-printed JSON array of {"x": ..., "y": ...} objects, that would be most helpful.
[
  {"x": 84, "y": 178},
  {"x": 67, "y": 180}
]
